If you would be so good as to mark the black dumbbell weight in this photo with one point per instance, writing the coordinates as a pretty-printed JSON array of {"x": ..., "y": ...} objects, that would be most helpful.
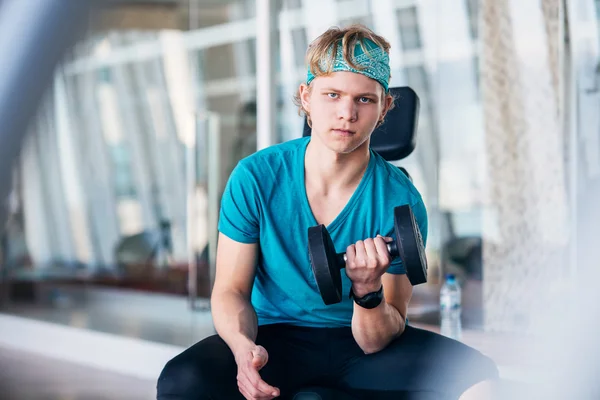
[{"x": 326, "y": 263}]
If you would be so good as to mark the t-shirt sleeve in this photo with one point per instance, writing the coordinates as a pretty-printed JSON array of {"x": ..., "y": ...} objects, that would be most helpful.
[
  {"x": 239, "y": 215},
  {"x": 420, "y": 212}
]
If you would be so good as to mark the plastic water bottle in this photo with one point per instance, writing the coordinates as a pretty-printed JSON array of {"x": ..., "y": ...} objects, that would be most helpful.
[{"x": 450, "y": 308}]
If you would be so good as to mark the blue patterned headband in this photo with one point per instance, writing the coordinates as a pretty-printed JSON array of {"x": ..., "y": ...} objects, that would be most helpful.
[{"x": 375, "y": 62}]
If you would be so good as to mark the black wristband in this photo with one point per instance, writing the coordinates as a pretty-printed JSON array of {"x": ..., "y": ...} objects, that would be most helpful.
[{"x": 370, "y": 300}]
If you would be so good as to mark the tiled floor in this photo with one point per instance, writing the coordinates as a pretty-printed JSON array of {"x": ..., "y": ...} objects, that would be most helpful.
[{"x": 25, "y": 376}]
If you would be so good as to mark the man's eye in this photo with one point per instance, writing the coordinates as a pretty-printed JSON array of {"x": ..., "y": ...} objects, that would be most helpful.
[
  {"x": 332, "y": 95},
  {"x": 365, "y": 100}
]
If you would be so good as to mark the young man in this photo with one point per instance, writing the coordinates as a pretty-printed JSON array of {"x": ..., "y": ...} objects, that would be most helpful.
[{"x": 275, "y": 334}]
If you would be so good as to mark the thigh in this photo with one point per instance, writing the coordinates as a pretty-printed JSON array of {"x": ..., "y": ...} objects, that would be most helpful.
[
  {"x": 296, "y": 357},
  {"x": 206, "y": 370},
  {"x": 421, "y": 365}
]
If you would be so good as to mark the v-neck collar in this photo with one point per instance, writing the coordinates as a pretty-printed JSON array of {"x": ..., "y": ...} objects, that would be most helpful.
[{"x": 351, "y": 202}]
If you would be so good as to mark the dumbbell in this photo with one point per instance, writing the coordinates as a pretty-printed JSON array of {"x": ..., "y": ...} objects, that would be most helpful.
[{"x": 327, "y": 264}]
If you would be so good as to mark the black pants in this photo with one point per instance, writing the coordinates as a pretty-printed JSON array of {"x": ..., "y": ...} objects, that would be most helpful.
[{"x": 418, "y": 365}]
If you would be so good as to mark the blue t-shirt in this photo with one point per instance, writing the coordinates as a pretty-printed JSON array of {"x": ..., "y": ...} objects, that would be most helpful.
[{"x": 265, "y": 202}]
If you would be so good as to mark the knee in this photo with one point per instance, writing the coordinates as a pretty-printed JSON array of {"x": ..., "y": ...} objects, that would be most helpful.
[
  {"x": 180, "y": 379},
  {"x": 480, "y": 391},
  {"x": 489, "y": 368},
  {"x": 486, "y": 383},
  {"x": 481, "y": 368},
  {"x": 484, "y": 375}
]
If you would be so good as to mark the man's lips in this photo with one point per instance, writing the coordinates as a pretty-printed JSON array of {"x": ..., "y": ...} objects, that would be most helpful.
[{"x": 343, "y": 132}]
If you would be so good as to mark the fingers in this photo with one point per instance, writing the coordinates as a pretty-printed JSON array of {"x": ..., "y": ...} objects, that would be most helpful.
[
  {"x": 369, "y": 253},
  {"x": 387, "y": 239},
  {"x": 372, "y": 254},
  {"x": 266, "y": 389},
  {"x": 361, "y": 254},
  {"x": 251, "y": 384},
  {"x": 249, "y": 380},
  {"x": 249, "y": 396},
  {"x": 377, "y": 253},
  {"x": 383, "y": 254},
  {"x": 350, "y": 255},
  {"x": 261, "y": 357}
]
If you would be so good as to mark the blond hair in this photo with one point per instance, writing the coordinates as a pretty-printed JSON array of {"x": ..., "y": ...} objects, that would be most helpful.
[{"x": 323, "y": 49}]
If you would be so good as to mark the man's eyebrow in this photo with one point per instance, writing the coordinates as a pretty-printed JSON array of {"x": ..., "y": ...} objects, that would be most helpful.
[{"x": 330, "y": 89}]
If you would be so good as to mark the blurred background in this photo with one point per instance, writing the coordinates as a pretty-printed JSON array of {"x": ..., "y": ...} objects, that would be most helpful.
[{"x": 108, "y": 225}]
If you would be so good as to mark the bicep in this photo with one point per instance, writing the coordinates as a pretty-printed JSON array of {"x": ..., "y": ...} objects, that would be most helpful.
[
  {"x": 397, "y": 291},
  {"x": 237, "y": 247},
  {"x": 236, "y": 266},
  {"x": 239, "y": 217}
]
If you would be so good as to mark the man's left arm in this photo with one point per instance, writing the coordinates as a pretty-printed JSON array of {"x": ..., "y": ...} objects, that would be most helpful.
[{"x": 375, "y": 328}]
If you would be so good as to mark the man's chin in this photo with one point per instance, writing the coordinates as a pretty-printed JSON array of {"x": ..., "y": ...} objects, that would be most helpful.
[
  {"x": 339, "y": 148},
  {"x": 343, "y": 146}
]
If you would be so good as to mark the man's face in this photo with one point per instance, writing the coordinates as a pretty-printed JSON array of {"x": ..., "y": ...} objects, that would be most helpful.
[{"x": 344, "y": 109}]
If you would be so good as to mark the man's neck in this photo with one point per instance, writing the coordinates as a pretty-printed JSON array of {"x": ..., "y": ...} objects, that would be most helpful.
[{"x": 327, "y": 171}]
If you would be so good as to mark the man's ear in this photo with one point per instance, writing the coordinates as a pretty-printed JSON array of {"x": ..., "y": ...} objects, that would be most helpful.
[
  {"x": 387, "y": 104},
  {"x": 305, "y": 96}
]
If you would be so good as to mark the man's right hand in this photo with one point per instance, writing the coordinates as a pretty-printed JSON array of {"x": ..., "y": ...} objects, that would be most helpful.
[{"x": 249, "y": 362}]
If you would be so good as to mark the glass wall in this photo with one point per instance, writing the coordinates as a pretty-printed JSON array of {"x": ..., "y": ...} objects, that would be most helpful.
[
  {"x": 120, "y": 182},
  {"x": 585, "y": 126}
]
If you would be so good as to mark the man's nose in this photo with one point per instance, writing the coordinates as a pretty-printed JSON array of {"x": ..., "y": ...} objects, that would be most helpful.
[{"x": 347, "y": 110}]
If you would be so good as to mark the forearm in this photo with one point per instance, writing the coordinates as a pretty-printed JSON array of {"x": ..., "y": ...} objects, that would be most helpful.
[
  {"x": 234, "y": 319},
  {"x": 375, "y": 328}
]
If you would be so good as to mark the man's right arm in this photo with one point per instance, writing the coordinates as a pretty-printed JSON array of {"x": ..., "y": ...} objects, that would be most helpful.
[{"x": 233, "y": 315}]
